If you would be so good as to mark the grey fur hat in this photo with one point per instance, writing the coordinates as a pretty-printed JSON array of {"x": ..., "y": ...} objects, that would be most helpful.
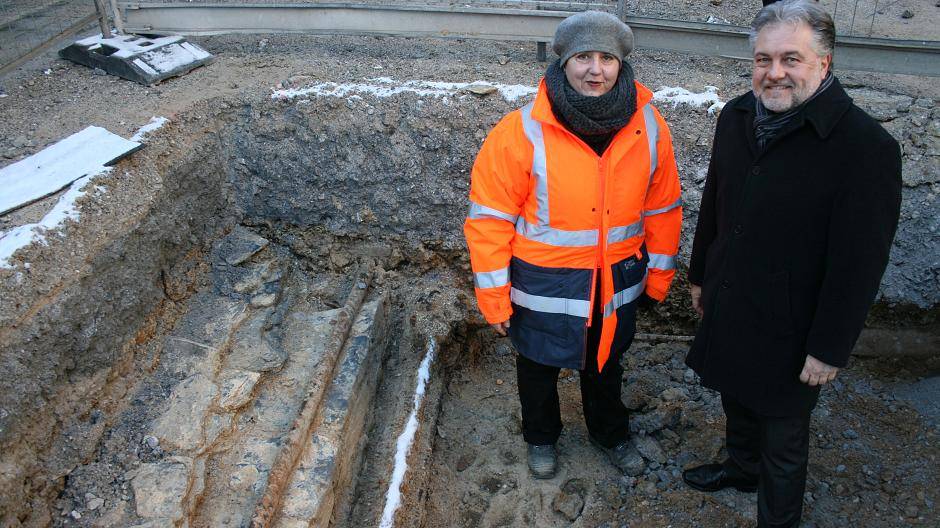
[{"x": 592, "y": 31}]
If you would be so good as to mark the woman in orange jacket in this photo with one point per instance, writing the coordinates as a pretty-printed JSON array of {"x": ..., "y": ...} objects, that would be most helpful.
[{"x": 575, "y": 213}]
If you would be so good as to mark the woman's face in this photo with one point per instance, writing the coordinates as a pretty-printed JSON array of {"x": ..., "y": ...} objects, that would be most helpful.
[{"x": 592, "y": 73}]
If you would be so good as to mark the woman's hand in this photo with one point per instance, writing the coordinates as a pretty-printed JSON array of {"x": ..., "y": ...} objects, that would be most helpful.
[{"x": 501, "y": 328}]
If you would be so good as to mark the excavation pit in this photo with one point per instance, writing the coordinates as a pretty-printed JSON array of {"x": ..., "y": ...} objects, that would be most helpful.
[{"x": 162, "y": 349}]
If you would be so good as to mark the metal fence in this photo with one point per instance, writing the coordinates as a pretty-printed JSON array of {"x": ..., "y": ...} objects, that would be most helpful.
[{"x": 27, "y": 27}]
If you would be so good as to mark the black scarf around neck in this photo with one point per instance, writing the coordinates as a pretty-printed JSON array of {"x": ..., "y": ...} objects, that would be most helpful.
[
  {"x": 589, "y": 116},
  {"x": 767, "y": 124}
]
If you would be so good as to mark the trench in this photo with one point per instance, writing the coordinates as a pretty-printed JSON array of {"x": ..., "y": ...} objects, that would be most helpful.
[{"x": 243, "y": 342}]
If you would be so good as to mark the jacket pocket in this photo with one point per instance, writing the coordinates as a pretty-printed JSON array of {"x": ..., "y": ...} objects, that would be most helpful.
[{"x": 552, "y": 301}]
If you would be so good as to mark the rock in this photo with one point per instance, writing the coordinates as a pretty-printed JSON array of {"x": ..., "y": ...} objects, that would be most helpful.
[
  {"x": 660, "y": 418},
  {"x": 20, "y": 141},
  {"x": 237, "y": 387},
  {"x": 240, "y": 245},
  {"x": 569, "y": 502},
  {"x": 75, "y": 515},
  {"x": 181, "y": 425},
  {"x": 715, "y": 2},
  {"x": 152, "y": 442},
  {"x": 252, "y": 349},
  {"x": 256, "y": 276},
  {"x": 910, "y": 511},
  {"x": 673, "y": 394},
  {"x": 689, "y": 375},
  {"x": 840, "y": 468},
  {"x": 99, "y": 71},
  {"x": 480, "y": 88},
  {"x": 649, "y": 448},
  {"x": 503, "y": 60},
  {"x": 94, "y": 503},
  {"x": 340, "y": 260},
  {"x": 850, "y": 434},
  {"x": 466, "y": 460},
  {"x": 263, "y": 300},
  {"x": 159, "y": 488},
  {"x": 907, "y": 14}
]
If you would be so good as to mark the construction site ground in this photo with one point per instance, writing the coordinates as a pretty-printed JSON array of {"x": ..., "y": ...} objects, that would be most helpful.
[{"x": 125, "y": 456}]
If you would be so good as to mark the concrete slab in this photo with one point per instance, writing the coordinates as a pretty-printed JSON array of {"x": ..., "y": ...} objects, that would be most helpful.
[{"x": 136, "y": 58}]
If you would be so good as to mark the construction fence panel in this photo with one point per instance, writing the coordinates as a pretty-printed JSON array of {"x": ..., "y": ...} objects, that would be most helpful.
[{"x": 28, "y": 26}]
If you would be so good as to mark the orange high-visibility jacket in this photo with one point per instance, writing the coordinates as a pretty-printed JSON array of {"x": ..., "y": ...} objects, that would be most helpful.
[{"x": 547, "y": 213}]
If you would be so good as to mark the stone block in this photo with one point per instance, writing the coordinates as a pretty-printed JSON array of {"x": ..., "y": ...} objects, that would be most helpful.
[
  {"x": 252, "y": 347},
  {"x": 181, "y": 425}
]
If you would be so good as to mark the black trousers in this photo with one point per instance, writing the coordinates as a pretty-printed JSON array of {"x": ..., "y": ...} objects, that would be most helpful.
[
  {"x": 604, "y": 412},
  {"x": 774, "y": 450}
]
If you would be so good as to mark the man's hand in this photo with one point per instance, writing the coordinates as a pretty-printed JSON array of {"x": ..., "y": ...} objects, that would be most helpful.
[
  {"x": 501, "y": 328},
  {"x": 816, "y": 372},
  {"x": 697, "y": 300}
]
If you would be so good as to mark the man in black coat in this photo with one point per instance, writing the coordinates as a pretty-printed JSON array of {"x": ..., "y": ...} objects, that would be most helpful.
[{"x": 797, "y": 219}]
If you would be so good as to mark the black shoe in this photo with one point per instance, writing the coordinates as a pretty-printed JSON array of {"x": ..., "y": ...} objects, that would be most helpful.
[
  {"x": 715, "y": 477},
  {"x": 543, "y": 460},
  {"x": 624, "y": 457}
]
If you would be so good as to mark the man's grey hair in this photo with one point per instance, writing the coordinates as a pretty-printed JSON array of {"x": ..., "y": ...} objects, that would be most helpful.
[{"x": 795, "y": 11}]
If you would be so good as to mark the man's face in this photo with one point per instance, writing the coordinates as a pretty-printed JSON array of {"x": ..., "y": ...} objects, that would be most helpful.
[
  {"x": 592, "y": 73},
  {"x": 787, "y": 69}
]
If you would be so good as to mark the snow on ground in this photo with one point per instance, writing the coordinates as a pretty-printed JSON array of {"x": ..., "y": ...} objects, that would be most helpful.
[
  {"x": 387, "y": 87},
  {"x": 154, "y": 124},
  {"x": 405, "y": 440},
  {"x": 677, "y": 96},
  {"x": 64, "y": 209}
]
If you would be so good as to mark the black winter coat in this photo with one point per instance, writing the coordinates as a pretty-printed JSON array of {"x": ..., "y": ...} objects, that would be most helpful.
[{"x": 790, "y": 247}]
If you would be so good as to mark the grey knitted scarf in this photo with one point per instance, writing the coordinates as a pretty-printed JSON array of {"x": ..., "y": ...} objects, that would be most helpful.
[
  {"x": 587, "y": 115},
  {"x": 768, "y": 124}
]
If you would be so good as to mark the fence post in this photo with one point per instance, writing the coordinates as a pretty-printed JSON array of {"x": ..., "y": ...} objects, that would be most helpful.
[
  {"x": 103, "y": 19},
  {"x": 116, "y": 15}
]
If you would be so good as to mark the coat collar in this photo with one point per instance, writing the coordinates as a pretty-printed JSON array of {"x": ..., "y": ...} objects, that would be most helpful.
[
  {"x": 542, "y": 109},
  {"x": 824, "y": 112}
]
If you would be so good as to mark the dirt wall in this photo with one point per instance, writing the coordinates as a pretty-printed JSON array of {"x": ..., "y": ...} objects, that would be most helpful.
[{"x": 70, "y": 319}]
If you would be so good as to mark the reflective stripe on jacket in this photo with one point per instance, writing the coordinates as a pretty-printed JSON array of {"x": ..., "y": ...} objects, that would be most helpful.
[{"x": 546, "y": 212}]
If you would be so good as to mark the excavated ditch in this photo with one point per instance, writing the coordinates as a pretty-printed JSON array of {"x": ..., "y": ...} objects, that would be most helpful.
[{"x": 234, "y": 330}]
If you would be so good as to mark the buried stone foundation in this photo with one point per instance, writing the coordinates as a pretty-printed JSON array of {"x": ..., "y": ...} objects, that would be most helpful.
[{"x": 159, "y": 353}]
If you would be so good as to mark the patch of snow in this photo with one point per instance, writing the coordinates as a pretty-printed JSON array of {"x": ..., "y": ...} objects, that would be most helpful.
[
  {"x": 677, "y": 96},
  {"x": 64, "y": 209},
  {"x": 128, "y": 45},
  {"x": 405, "y": 440},
  {"x": 2, "y": 95},
  {"x": 154, "y": 124},
  {"x": 171, "y": 57},
  {"x": 387, "y": 87},
  {"x": 47, "y": 71}
]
